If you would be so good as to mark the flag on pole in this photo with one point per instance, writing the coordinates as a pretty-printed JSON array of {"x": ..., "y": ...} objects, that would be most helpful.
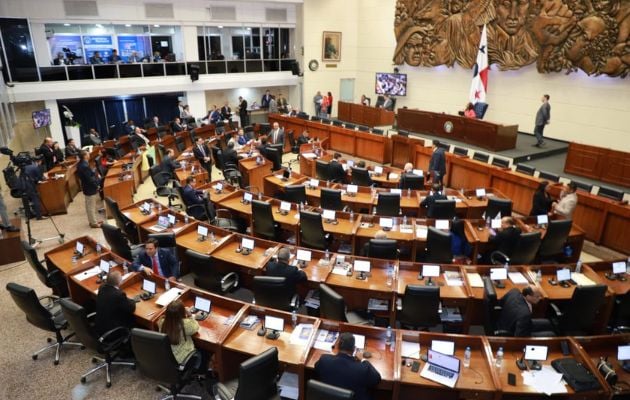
[{"x": 479, "y": 86}]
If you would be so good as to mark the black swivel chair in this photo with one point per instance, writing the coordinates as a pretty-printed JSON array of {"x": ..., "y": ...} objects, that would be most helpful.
[
  {"x": 263, "y": 224},
  {"x": 321, "y": 170},
  {"x": 155, "y": 360},
  {"x": 312, "y": 233},
  {"x": 44, "y": 313},
  {"x": 295, "y": 149},
  {"x": 496, "y": 206},
  {"x": 492, "y": 309},
  {"x": 206, "y": 276},
  {"x": 411, "y": 181},
  {"x": 295, "y": 194},
  {"x": 333, "y": 306},
  {"x": 125, "y": 224},
  {"x": 438, "y": 249},
  {"x": 180, "y": 144},
  {"x": 118, "y": 242},
  {"x": 223, "y": 218},
  {"x": 330, "y": 199},
  {"x": 383, "y": 248},
  {"x": 580, "y": 313},
  {"x": 316, "y": 390},
  {"x": 442, "y": 209},
  {"x": 526, "y": 248},
  {"x": 161, "y": 181},
  {"x": 217, "y": 156},
  {"x": 361, "y": 177},
  {"x": 275, "y": 292},
  {"x": 256, "y": 381},
  {"x": 388, "y": 204},
  {"x": 52, "y": 279},
  {"x": 108, "y": 345},
  {"x": 419, "y": 308},
  {"x": 552, "y": 244},
  {"x": 620, "y": 319}
]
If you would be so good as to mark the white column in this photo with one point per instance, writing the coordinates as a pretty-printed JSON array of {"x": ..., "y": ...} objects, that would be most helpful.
[
  {"x": 40, "y": 44},
  {"x": 56, "y": 131},
  {"x": 189, "y": 37},
  {"x": 197, "y": 102}
]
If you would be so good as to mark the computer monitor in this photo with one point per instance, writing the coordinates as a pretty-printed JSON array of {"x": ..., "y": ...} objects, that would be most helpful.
[
  {"x": 443, "y": 346},
  {"x": 442, "y": 224},
  {"x": 480, "y": 192},
  {"x": 172, "y": 220},
  {"x": 329, "y": 215},
  {"x": 313, "y": 182},
  {"x": 145, "y": 207},
  {"x": 498, "y": 275},
  {"x": 78, "y": 248},
  {"x": 202, "y": 304},
  {"x": 148, "y": 286},
  {"x": 361, "y": 265},
  {"x": 104, "y": 266},
  {"x": 386, "y": 223},
  {"x": 274, "y": 323},
  {"x": 396, "y": 191},
  {"x": 303, "y": 255},
  {"x": 563, "y": 275},
  {"x": 378, "y": 169},
  {"x": 285, "y": 206},
  {"x": 623, "y": 352},
  {"x": 247, "y": 244},
  {"x": 248, "y": 197},
  {"x": 163, "y": 221},
  {"x": 352, "y": 189},
  {"x": 542, "y": 219},
  {"x": 536, "y": 353},
  {"x": 619, "y": 267},
  {"x": 430, "y": 271},
  {"x": 495, "y": 223},
  {"x": 202, "y": 231},
  {"x": 442, "y": 360}
]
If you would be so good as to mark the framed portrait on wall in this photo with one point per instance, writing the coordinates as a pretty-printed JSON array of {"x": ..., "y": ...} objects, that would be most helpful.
[{"x": 331, "y": 46}]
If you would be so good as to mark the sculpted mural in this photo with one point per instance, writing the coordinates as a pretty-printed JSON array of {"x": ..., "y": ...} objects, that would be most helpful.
[{"x": 556, "y": 35}]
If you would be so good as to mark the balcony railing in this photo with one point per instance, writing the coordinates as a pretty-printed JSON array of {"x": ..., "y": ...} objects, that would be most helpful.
[{"x": 141, "y": 70}]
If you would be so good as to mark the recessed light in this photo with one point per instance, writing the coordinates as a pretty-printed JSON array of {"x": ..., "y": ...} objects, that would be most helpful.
[
  {"x": 128, "y": 25},
  {"x": 220, "y": 27},
  {"x": 66, "y": 24},
  {"x": 156, "y": 26},
  {"x": 99, "y": 25},
  {"x": 249, "y": 29}
]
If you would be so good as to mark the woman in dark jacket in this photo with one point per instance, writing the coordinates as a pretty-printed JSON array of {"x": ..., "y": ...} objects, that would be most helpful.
[{"x": 541, "y": 202}]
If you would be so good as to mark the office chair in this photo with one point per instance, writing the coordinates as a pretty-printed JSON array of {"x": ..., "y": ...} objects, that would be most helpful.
[
  {"x": 411, "y": 181},
  {"x": 526, "y": 249},
  {"x": 549, "y": 176},
  {"x": 312, "y": 233},
  {"x": 492, "y": 309},
  {"x": 610, "y": 193},
  {"x": 383, "y": 248},
  {"x": 275, "y": 292},
  {"x": 316, "y": 390},
  {"x": 180, "y": 144},
  {"x": 620, "y": 319},
  {"x": 333, "y": 306},
  {"x": 553, "y": 242},
  {"x": 256, "y": 381},
  {"x": 481, "y": 157},
  {"x": 197, "y": 211},
  {"x": 438, "y": 249},
  {"x": 480, "y": 109},
  {"x": 53, "y": 279},
  {"x": 525, "y": 169},
  {"x": 44, "y": 313},
  {"x": 321, "y": 170},
  {"x": 108, "y": 345},
  {"x": 388, "y": 204},
  {"x": 586, "y": 187},
  {"x": 419, "y": 308},
  {"x": 155, "y": 359},
  {"x": 500, "y": 162},
  {"x": 361, "y": 177},
  {"x": 295, "y": 149},
  {"x": 330, "y": 199},
  {"x": 579, "y": 314},
  {"x": 442, "y": 209},
  {"x": 496, "y": 206},
  {"x": 206, "y": 276},
  {"x": 223, "y": 218},
  {"x": 263, "y": 224},
  {"x": 118, "y": 242},
  {"x": 161, "y": 180},
  {"x": 217, "y": 157},
  {"x": 295, "y": 194},
  {"x": 123, "y": 222}
]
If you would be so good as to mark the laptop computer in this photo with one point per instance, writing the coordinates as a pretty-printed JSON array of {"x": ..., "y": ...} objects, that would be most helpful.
[
  {"x": 162, "y": 224},
  {"x": 441, "y": 368}
]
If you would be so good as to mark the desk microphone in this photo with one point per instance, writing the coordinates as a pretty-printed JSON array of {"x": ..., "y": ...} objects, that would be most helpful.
[{"x": 262, "y": 330}]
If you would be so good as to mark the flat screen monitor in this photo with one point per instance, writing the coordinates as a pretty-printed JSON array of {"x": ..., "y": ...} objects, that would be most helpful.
[
  {"x": 498, "y": 274},
  {"x": 303, "y": 255},
  {"x": 619, "y": 267},
  {"x": 202, "y": 304},
  {"x": 329, "y": 215},
  {"x": 314, "y": 182},
  {"x": 495, "y": 223},
  {"x": 563, "y": 274},
  {"x": 202, "y": 230},
  {"x": 443, "y": 360},
  {"x": 623, "y": 353},
  {"x": 248, "y": 197},
  {"x": 396, "y": 191},
  {"x": 387, "y": 223},
  {"x": 285, "y": 206},
  {"x": 248, "y": 244},
  {"x": 542, "y": 219},
  {"x": 41, "y": 118},
  {"x": 148, "y": 286},
  {"x": 145, "y": 207},
  {"x": 352, "y": 189},
  {"x": 163, "y": 221},
  {"x": 79, "y": 247},
  {"x": 536, "y": 353},
  {"x": 431, "y": 271},
  {"x": 480, "y": 192},
  {"x": 391, "y": 84},
  {"x": 443, "y": 346},
  {"x": 274, "y": 323},
  {"x": 378, "y": 169},
  {"x": 441, "y": 224},
  {"x": 171, "y": 219},
  {"x": 361, "y": 266},
  {"x": 104, "y": 266}
]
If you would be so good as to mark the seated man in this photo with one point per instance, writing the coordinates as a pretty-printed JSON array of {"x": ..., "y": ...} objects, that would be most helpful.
[
  {"x": 169, "y": 164},
  {"x": 138, "y": 138},
  {"x": 71, "y": 149},
  {"x": 567, "y": 203},
  {"x": 516, "y": 315},
  {"x": 434, "y": 194},
  {"x": 408, "y": 169},
  {"x": 153, "y": 260},
  {"x": 505, "y": 240},
  {"x": 177, "y": 126},
  {"x": 193, "y": 197},
  {"x": 303, "y": 139},
  {"x": 346, "y": 371},
  {"x": 335, "y": 169},
  {"x": 281, "y": 268},
  {"x": 113, "y": 308},
  {"x": 380, "y": 234}
]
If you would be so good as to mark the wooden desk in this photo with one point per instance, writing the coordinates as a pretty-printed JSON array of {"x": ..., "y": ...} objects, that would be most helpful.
[
  {"x": 200, "y": 174},
  {"x": 146, "y": 228},
  {"x": 598, "y": 347},
  {"x": 403, "y": 149},
  {"x": 54, "y": 195},
  {"x": 63, "y": 257},
  {"x": 364, "y": 115},
  {"x": 488, "y": 135},
  {"x": 575, "y": 239},
  {"x": 404, "y": 235},
  {"x": 598, "y": 163},
  {"x": 254, "y": 174},
  {"x": 603, "y": 269},
  {"x": 251, "y": 263},
  {"x": 120, "y": 190},
  {"x": 11, "y": 244}
]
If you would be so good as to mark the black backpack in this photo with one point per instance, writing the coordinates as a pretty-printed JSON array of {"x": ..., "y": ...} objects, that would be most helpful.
[{"x": 576, "y": 375}]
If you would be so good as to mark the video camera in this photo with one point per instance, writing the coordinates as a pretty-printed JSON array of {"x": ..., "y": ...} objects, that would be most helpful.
[
  {"x": 22, "y": 159},
  {"x": 70, "y": 55}
]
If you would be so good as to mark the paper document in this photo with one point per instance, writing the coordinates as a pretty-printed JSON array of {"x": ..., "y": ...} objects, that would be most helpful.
[
  {"x": 474, "y": 279},
  {"x": 340, "y": 271},
  {"x": 410, "y": 349},
  {"x": 325, "y": 340},
  {"x": 581, "y": 279},
  {"x": 453, "y": 278},
  {"x": 546, "y": 381},
  {"x": 81, "y": 276},
  {"x": 406, "y": 230},
  {"x": 517, "y": 278},
  {"x": 288, "y": 385},
  {"x": 166, "y": 298},
  {"x": 421, "y": 232},
  {"x": 301, "y": 334},
  {"x": 309, "y": 155},
  {"x": 359, "y": 341}
]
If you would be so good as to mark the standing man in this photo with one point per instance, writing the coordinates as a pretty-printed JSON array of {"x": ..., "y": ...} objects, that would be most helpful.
[
  {"x": 46, "y": 150},
  {"x": 346, "y": 371},
  {"x": 242, "y": 111},
  {"x": 437, "y": 164},
  {"x": 277, "y": 134},
  {"x": 71, "y": 149},
  {"x": 89, "y": 184},
  {"x": 154, "y": 260},
  {"x": 264, "y": 102},
  {"x": 4, "y": 216},
  {"x": 226, "y": 113},
  {"x": 317, "y": 102},
  {"x": 542, "y": 118},
  {"x": 203, "y": 155}
]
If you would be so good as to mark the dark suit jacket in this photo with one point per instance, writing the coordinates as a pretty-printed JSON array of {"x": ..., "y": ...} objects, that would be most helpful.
[
  {"x": 226, "y": 112},
  {"x": 242, "y": 108},
  {"x": 71, "y": 151},
  {"x": 169, "y": 165},
  {"x": 89, "y": 180},
  {"x": 113, "y": 309},
  {"x": 336, "y": 172},
  {"x": 192, "y": 196},
  {"x": 199, "y": 155},
  {"x": 49, "y": 156},
  {"x": 280, "y": 138},
  {"x": 136, "y": 141},
  {"x": 541, "y": 203},
  {"x": 177, "y": 127},
  {"x": 430, "y": 199},
  {"x": 347, "y": 372},
  {"x": 230, "y": 156},
  {"x": 515, "y": 316},
  {"x": 302, "y": 140},
  {"x": 506, "y": 239},
  {"x": 59, "y": 157},
  {"x": 34, "y": 175},
  {"x": 438, "y": 162},
  {"x": 281, "y": 269},
  {"x": 129, "y": 129},
  {"x": 168, "y": 262},
  {"x": 264, "y": 102}
]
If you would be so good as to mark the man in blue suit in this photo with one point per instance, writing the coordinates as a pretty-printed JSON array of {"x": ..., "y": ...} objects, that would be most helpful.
[
  {"x": 154, "y": 260},
  {"x": 346, "y": 371},
  {"x": 437, "y": 164}
]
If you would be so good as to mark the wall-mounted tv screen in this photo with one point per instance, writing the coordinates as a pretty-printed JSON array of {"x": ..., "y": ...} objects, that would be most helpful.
[
  {"x": 41, "y": 118},
  {"x": 391, "y": 84}
]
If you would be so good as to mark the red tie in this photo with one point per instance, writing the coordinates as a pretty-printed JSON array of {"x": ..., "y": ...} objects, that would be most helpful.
[{"x": 156, "y": 270}]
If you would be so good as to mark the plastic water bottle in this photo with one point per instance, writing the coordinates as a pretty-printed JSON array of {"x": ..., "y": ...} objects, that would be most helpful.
[
  {"x": 259, "y": 196},
  {"x": 351, "y": 216},
  {"x": 212, "y": 238},
  {"x": 578, "y": 266},
  {"x": 186, "y": 219},
  {"x": 125, "y": 268},
  {"x": 467, "y": 355},
  {"x": 167, "y": 284},
  {"x": 404, "y": 222},
  {"x": 327, "y": 256},
  {"x": 408, "y": 192},
  {"x": 388, "y": 335},
  {"x": 159, "y": 207},
  {"x": 98, "y": 248},
  {"x": 294, "y": 318},
  {"x": 390, "y": 275},
  {"x": 499, "y": 359},
  {"x": 539, "y": 275}
]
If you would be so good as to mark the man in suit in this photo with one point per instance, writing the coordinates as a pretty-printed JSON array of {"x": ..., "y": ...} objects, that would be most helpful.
[
  {"x": 192, "y": 195},
  {"x": 229, "y": 154},
  {"x": 242, "y": 111},
  {"x": 276, "y": 136},
  {"x": 177, "y": 126},
  {"x": 138, "y": 138},
  {"x": 203, "y": 155},
  {"x": 435, "y": 194},
  {"x": 169, "y": 164},
  {"x": 129, "y": 127},
  {"x": 214, "y": 115},
  {"x": 335, "y": 169},
  {"x": 567, "y": 203},
  {"x": 437, "y": 164},
  {"x": 304, "y": 138},
  {"x": 543, "y": 117},
  {"x": 346, "y": 371},
  {"x": 90, "y": 185},
  {"x": 505, "y": 240},
  {"x": 388, "y": 104},
  {"x": 94, "y": 138},
  {"x": 516, "y": 314},
  {"x": 113, "y": 308},
  {"x": 46, "y": 150},
  {"x": 153, "y": 260},
  {"x": 71, "y": 149},
  {"x": 281, "y": 268},
  {"x": 273, "y": 105},
  {"x": 264, "y": 102},
  {"x": 154, "y": 123},
  {"x": 317, "y": 102},
  {"x": 226, "y": 112},
  {"x": 33, "y": 175}
]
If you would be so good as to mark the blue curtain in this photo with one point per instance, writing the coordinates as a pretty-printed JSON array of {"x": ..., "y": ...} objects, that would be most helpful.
[
  {"x": 87, "y": 113},
  {"x": 135, "y": 110},
  {"x": 115, "y": 116},
  {"x": 164, "y": 106}
]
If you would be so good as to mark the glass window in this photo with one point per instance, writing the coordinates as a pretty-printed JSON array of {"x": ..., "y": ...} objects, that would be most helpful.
[
  {"x": 271, "y": 48},
  {"x": 252, "y": 43},
  {"x": 18, "y": 50}
]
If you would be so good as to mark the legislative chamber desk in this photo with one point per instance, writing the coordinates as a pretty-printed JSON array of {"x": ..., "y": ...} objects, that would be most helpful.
[
  {"x": 122, "y": 179},
  {"x": 364, "y": 115},
  {"x": 59, "y": 189},
  {"x": 487, "y": 135}
]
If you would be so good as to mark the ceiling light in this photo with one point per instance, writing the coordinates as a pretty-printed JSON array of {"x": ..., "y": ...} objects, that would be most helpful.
[
  {"x": 128, "y": 25},
  {"x": 99, "y": 25},
  {"x": 66, "y": 24},
  {"x": 156, "y": 26},
  {"x": 220, "y": 27}
]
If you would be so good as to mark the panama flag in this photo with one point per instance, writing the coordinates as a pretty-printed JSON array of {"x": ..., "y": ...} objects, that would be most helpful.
[{"x": 479, "y": 86}]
